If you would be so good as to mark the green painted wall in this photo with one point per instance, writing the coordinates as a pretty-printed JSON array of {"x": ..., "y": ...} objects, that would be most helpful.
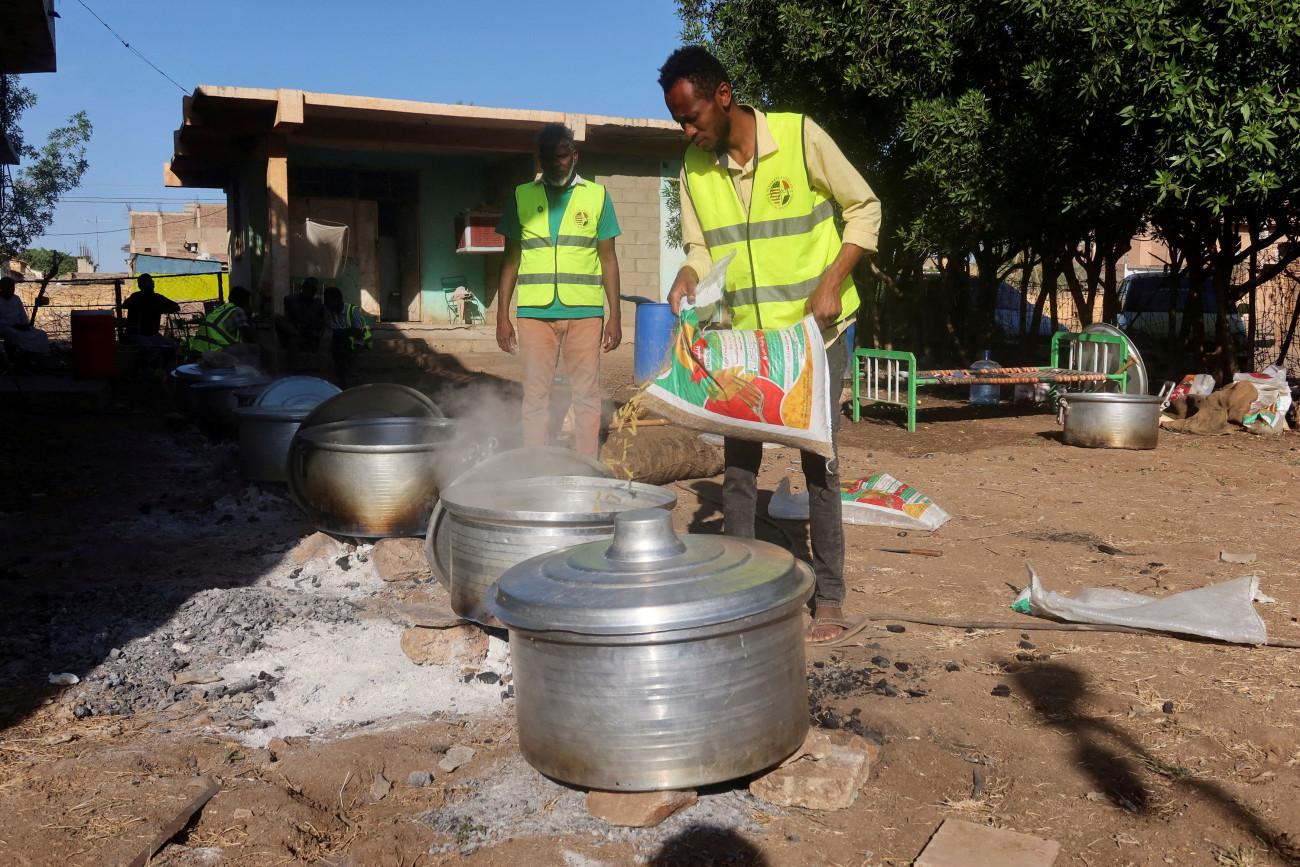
[{"x": 449, "y": 184}]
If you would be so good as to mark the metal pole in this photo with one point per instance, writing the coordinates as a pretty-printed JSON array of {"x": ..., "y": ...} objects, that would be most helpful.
[
  {"x": 221, "y": 298},
  {"x": 117, "y": 308}
]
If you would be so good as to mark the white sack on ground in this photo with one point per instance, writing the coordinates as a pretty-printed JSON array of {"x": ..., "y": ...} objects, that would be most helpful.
[
  {"x": 880, "y": 501},
  {"x": 1221, "y": 611}
]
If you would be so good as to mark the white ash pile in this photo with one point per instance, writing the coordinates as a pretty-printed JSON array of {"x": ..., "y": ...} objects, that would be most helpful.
[
  {"x": 175, "y": 661},
  {"x": 517, "y": 801}
]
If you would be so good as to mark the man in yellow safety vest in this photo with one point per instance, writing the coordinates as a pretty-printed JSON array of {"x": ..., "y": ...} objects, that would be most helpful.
[
  {"x": 559, "y": 255},
  {"x": 762, "y": 185},
  {"x": 349, "y": 333},
  {"x": 228, "y": 329}
]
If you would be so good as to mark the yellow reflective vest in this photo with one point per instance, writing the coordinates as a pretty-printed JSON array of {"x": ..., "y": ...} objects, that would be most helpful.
[
  {"x": 346, "y": 320},
  {"x": 783, "y": 244},
  {"x": 569, "y": 267},
  {"x": 212, "y": 335}
]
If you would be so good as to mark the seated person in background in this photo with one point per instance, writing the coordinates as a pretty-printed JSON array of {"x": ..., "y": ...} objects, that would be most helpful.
[
  {"x": 229, "y": 329},
  {"x": 144, "y": 312},
  {"x": 460, "y": 296},
  {"x": 349, "y": 333},
  {"x": 300, "y": 327},
  {"x": 15, "y": 328}
]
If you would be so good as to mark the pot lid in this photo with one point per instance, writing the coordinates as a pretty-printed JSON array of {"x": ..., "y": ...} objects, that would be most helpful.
[
  {"x": 553, "y": 499},
  {"x": 1137, "y": 373},
  {"x": 649, "y": 579},
  {"x": 231, "y": 382},
  {"x": 199, "y": 373},
  {"x": 290, "y": 413},
  {"x": 297, "y": 390},
  {"x": 376, "y": 400}
]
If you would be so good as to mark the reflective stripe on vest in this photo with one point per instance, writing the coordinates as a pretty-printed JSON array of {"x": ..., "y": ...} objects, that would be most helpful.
[
  {"x": 569, "y": 267},
  {"x": 212, "y": 335},
  {"x": 343, "y": 322},
  {"x": 783, "y": 245}
]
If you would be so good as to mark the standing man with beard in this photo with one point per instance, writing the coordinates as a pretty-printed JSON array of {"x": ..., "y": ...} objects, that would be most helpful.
[
  {"x": 559, "y": 232},
  {"x": 762, "y": 185}
]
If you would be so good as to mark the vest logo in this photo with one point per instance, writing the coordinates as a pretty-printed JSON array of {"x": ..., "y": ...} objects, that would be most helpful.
[
  {"x": 780, "y": 192},
  {"x": 582, "y": 219}
]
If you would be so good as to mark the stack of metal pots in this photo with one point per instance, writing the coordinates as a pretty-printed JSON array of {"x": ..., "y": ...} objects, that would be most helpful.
[
  {"x": 270, "y": 420},
  {"x": 208, "y": 393},
  {"x": 657, "y": 661},
  {"x": 482, "y": 526}
]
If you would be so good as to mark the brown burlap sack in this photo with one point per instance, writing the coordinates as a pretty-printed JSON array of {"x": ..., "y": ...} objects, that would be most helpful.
[
  {"x": 660, "y": 455},
  {"x": 1217, "y": 414}
]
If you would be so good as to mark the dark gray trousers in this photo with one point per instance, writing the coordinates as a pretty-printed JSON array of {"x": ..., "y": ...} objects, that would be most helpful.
[{"x": 825, "y": 515}]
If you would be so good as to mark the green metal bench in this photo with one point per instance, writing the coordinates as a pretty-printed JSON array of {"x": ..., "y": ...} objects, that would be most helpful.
[{"x": 890, "y": 377}]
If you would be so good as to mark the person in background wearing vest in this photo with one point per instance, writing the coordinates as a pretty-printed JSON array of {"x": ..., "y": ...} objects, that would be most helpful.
[
  {"x": 762, "y": 184},
  {"x": 229, "y": 329},
  {"x": 350, "y": 334},
  {"x": 559, "y": 232}
]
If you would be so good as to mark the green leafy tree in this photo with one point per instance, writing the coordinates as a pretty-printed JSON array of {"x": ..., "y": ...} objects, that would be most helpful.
[
  {"x": 43, "y": 260},
  {"x": 27, "y": 201},
  {"x": 1040, "y": 133}
]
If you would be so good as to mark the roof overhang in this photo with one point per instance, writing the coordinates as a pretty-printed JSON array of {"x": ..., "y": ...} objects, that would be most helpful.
[
  {"x": 223, "y": 126},
  {"x": 27, "y": 37}
]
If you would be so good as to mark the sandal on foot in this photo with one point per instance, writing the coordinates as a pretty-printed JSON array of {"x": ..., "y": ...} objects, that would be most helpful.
[{"x": 848, "y": 629}]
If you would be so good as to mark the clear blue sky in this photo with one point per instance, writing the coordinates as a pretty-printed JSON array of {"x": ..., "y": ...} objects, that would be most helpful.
[{"x": 578, "y": 56}]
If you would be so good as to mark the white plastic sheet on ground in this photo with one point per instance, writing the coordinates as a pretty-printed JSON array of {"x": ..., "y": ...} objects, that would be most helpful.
[{"x": 1223, "y": 611}]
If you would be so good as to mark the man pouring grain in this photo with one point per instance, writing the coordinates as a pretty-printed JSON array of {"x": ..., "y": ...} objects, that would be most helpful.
[{"x": 761, "y": 185}]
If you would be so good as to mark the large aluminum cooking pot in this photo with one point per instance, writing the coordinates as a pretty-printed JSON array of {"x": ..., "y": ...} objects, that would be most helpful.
[
  {"x": 187, "y": 375},
  {"x": 490, "y": 526},
  {"x": 265, "y": 433},
  {"x": 525, "y": 462},
  {"x": 374, "y": 477},
  {"x": 215, "y": 402},
  {"x": 657, "y": 661},
  {"x": 1110, "y": 421}
]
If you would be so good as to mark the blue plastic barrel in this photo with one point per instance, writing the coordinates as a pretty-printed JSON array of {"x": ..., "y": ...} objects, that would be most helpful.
[{"x": 654, "y": 331}]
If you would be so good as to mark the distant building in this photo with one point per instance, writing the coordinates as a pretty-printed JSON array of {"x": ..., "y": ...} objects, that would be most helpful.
[
  {"x": 199, "y": 232},
  {"x": 418, "y": 186}
]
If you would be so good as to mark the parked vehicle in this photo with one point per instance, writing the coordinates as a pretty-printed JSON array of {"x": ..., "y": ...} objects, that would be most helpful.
[{"x": 1145, "y": 300}]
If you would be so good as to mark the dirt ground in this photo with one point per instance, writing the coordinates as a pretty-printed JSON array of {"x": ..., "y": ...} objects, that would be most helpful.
[{"x": 1127, "y": 749}]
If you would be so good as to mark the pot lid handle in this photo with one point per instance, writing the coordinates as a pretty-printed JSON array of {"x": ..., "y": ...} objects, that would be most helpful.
[{"x": 642, "y": 536}]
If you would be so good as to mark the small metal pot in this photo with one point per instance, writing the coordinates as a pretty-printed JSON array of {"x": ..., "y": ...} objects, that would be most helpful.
[
  {"x": 480, "y": 529},
  {"x": 1110, "y": 421},
  {"x": 265, "y": 433},
  {"x": 657, "y": 661},
  {"x": 373, "y": 477}
]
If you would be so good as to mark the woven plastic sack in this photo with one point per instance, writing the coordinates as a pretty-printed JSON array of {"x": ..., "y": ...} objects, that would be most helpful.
[
  {"x": 880, "y": 500},
  {"x": 767, "y": 385}
]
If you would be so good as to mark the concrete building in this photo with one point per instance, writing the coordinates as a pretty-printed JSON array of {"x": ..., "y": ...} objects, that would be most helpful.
[
  {"x": 418, "y": 185},
  {"x": 198, "y": 232}
]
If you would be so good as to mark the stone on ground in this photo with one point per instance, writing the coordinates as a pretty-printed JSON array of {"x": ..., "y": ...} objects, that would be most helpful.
[
  {"x": 456, "y": 756},
  {"x": 637, "y": 809},
  {"x": 823, "y": 774},
  {"x": 400, "y": 559},
  {"x": 317, "y": 545},
  {"x": 459, "y": 645},
  {"x": 964, "y": 844},
  {"x": 380, "y": 787},
  {"x": 419, "y": 779}
]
